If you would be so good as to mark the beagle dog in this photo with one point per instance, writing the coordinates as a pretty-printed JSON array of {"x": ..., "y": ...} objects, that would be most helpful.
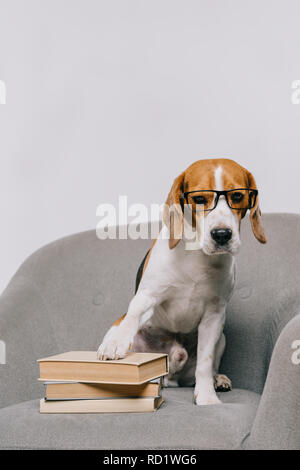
[{"x": 181, "y": 295}]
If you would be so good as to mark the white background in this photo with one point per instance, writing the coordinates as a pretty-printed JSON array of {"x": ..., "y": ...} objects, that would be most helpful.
[{"x": 110, "y": 97}]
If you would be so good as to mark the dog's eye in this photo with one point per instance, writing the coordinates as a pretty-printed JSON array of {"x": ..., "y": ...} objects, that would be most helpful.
[
  {"x": 199, "y": 200},
  {"x": 237, "y": 197}
]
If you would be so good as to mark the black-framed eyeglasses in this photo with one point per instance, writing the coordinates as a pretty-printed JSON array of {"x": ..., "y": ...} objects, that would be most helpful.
[{"x": 237, "y": 199}]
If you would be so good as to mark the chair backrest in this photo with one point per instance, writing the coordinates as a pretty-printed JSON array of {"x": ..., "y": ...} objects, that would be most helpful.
[
  {"x": 266, "y": 297},
  {"x": 67, "y": 294}
]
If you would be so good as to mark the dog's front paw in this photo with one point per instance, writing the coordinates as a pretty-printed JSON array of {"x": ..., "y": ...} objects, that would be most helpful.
[
  {"x": 206, "y": 399},
  {"x": 222, "y": 383},
  {"x": 114, "y": 347}
]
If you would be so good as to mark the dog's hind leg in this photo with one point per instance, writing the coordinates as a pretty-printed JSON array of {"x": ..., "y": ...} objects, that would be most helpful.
[{"x": 154, "y": 340}]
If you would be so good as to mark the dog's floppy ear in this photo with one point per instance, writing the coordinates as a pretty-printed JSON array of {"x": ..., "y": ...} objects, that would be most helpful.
[
  {"x": 255, "y": 214},
  {"x": 173, "y": 212}
]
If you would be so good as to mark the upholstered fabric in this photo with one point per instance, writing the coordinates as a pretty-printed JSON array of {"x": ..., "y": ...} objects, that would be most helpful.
[
  {"x": 67, "y": 294},
  {"x": 266, "y": 297},
  {"x": 178, "y": 424},
  {"x": 277, "y": 423}
]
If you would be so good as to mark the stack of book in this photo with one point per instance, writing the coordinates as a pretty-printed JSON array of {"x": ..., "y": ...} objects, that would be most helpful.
[{"x": 77, "y": 382}]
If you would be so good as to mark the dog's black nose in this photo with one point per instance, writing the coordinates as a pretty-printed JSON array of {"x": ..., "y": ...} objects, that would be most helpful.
[{"x": 221, "y": 235}]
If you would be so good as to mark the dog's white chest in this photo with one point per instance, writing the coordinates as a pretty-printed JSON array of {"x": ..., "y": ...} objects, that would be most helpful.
[
  {"x": 183, "y": 310},
  {"x": 194, "y": 283}
]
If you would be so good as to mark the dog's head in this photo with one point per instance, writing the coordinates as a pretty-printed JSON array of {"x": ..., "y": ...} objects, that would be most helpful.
[{"x": 223, "y": 191}]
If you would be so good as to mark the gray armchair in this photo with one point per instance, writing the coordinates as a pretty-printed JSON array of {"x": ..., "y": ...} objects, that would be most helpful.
[{"x": 66, "y": 295}]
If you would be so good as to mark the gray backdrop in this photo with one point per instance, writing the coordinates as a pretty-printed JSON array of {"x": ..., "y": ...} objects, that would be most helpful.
[{"x": 109, "y": 97}]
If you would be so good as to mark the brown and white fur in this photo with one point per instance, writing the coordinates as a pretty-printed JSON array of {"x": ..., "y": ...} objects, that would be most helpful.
[{"x": 180, "y": 304}]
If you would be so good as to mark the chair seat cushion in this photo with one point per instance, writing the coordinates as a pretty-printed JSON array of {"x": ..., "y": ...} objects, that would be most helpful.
[{"x": 178, "y": 424}]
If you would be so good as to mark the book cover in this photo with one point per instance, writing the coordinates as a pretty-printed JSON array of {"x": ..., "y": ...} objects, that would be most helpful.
[
  {"x": 78, "y": 390},
  {"x": 114, "y": 405},
  {"x": 83, "y": 366}
]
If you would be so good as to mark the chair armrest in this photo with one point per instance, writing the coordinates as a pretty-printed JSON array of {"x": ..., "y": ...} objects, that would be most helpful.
[
  {"x": 26, "y": 331},
  {"x": 277, "y": 422}
]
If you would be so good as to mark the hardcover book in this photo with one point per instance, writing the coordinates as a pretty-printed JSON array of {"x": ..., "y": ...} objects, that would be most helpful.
[
  {"x": 83, "y": 366},
  {"x": 90, "y": 391},
  {"x": 110, "y": 405}
]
